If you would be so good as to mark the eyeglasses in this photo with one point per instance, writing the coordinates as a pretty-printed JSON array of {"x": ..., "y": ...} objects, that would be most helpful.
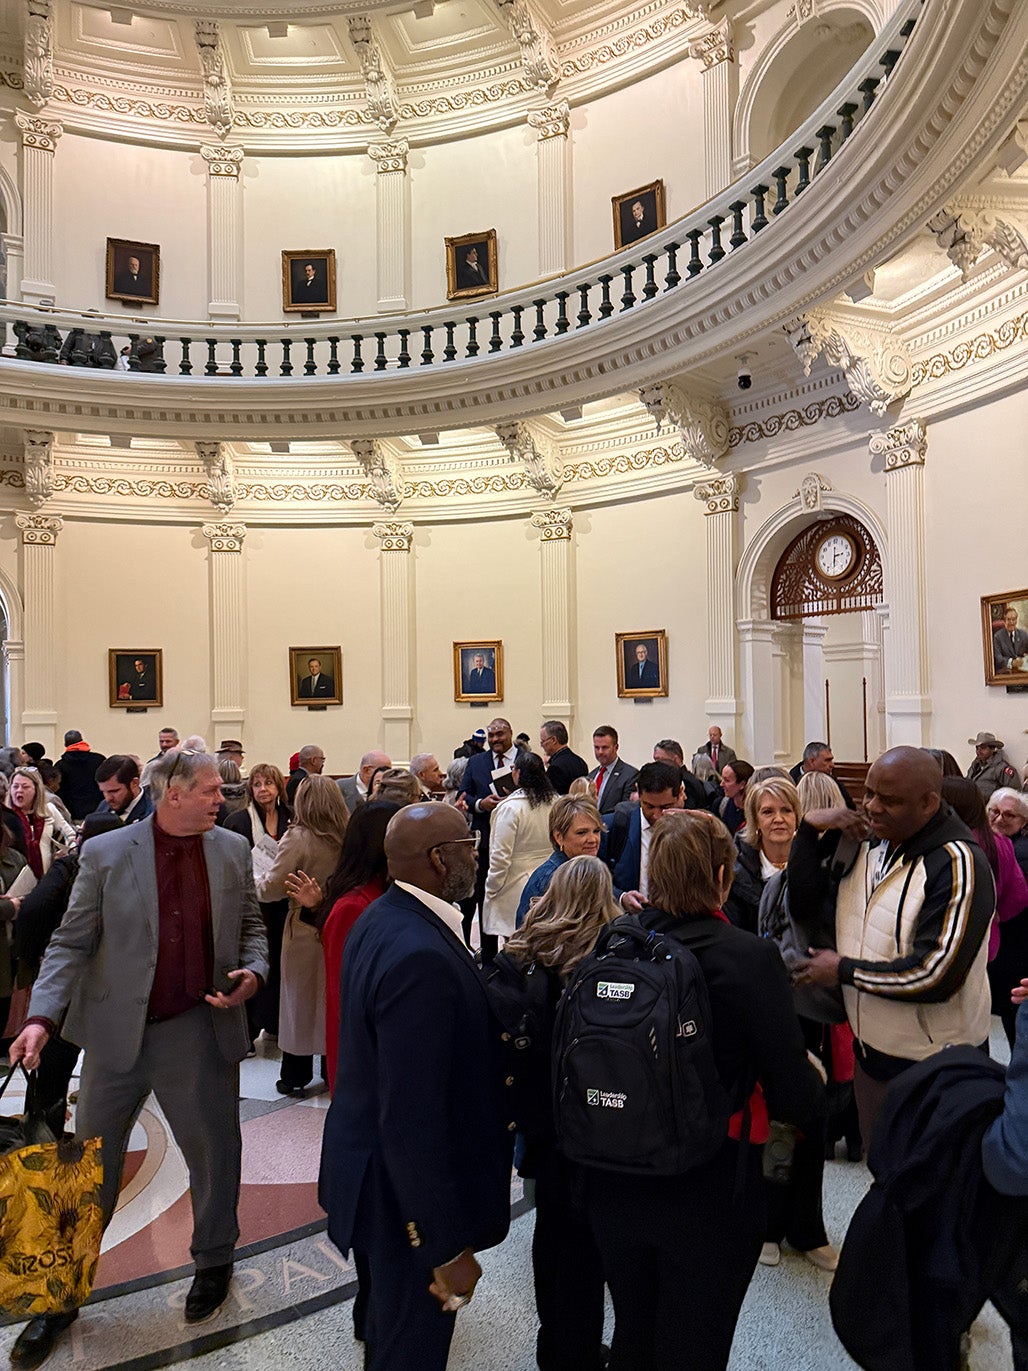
[
  {"x": 182, "y": 752},
  {"x": 473, "y": 839}
]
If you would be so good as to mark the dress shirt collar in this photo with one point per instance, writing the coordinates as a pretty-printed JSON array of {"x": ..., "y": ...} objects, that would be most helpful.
[
  {"x": 362, "y": 789},
  {"x": 138, "y": 800},
  {"x": 448, "y": 913}
]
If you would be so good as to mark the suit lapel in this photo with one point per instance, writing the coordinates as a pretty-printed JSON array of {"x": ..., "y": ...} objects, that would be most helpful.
[
  {"x": 144, "y": 871},
  {"x": 215, "y": 881}
]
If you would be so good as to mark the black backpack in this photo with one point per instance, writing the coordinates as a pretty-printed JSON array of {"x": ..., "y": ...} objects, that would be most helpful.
[{"x": 635, "y": 1085}]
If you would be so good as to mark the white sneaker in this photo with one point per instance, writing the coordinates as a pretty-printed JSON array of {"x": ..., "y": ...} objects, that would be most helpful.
[
  {"x": 770, "y": 1254},
  {"x": 824, "y": 1258}
]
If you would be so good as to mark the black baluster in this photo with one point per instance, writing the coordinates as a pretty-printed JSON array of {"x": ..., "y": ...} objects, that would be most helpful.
[
  {"x": 628, "y": 295},
  {"x": 51, "y": 339},
  {"x": 427, "y": 355},
  {"x": 333, "y": 356},
  {"x": 357, "y": 362},
  {"x": 380, "y": 355},
  {"x": 261, "y": 369},
  {"x": 133, "y": 355},
  {"x": 803, "y": 156},
  {"x": 211, "y": 369},
  {"x": 160, "y": 366},
  {"x": 672, "y": 279},
  {"x": 450, "y": 350},
  {"x": 867, "y": 89},
  {"x": 781, "y": 175},
  {"x": 716, "y": 250},
  {"x": 472, "y": 348},
  {"x": 286, "y": 369},
  {"x": 563, "y": 322},
  {"x": 650, "y": 287},
  {"x": 695, "y": 266},
  {"x": 495, "y": 341},
  {"x": 759, "y": 220},
  {"x": 584, "y": 316},
  {"x": 606, "y": 308},
  {"x": 403, "y": 356},
  {"x": 21, "y": 349},
  {"x": 846, "y": 113},
  {"x": 185, "y": 367},
  {"x": 310, "y": 367},
  {"x": 539, "y": 332},
  {"x": 236, "y": 365},
  {"x": 888, "y": 60},
  {"x": 824, "y": 135},
  {"x": 517, "y": 337},
  {"x": 908, "y": 28},
  {"x": 738, "y": 232}
]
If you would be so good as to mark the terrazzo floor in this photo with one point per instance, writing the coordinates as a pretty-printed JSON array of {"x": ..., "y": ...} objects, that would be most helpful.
[{"x": 291, "y": 1299}]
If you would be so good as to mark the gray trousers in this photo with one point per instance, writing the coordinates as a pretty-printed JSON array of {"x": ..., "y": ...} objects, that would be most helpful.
[{"x": 198, "y": 1090}]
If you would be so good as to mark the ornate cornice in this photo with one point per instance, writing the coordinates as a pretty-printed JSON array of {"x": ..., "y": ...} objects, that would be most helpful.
[
  {"x": 554, "y": 525},
  {"x": 394, "y": 536},
  {"x": 977, "y": 349},
  {"x": 39, "y": 51},
  {"x": 541, "y": 461},
  {"x": 222, "y": 490},
  {"x": 222, "y": 160},
  {"x": 790, "y": 420},
  {"x": 720, "y": 496},
  {"x": 224, "y": 537},
  {"x": 538, "y": 56},
  {"x": 903, "y": 446},
  {"x": 37, "y": 132},
  {"x": 551, "y": 121},
  {"x": 217, "y": 89},
  {"x": 630, "y": 41},
  {"x": 39, "y": 530},
  {"x": 39, "y": 465},
  {"x": 877, "y": 365},
  {"x": 378, "y": 82},
  {"x": 391, "y": 156}
]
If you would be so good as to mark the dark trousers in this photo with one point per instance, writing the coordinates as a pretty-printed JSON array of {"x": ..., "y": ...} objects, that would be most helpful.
[
  {"x": 794, "y": 1212},
  {"x": 568, "y": 1273},
  {"x": 297, "y": 1072},
  {"x": 490, "y": 943},
  {"x": 403, "y": 1325},
  {"x": 678, "y": 1254}
]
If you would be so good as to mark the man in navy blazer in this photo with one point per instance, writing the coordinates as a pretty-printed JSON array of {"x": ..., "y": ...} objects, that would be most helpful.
[
  {"x": 640, "y": 672},
  {"x": 415, "y": 1165},
  {"x": 478, "y": 795},
  {"x": 628, "y": 840}
]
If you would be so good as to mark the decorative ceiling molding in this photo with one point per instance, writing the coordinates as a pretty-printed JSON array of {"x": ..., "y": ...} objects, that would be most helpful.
[
  {"x": 702, "y": 420},
  {"x": 39, "y": 51},
  {"x": 877, "y": 365},
  {"x": 217, "y": 89},
  {"x": 538, "y": 55},
  {"x": 965, "y": 233},
  {"x": 977, "y": 349},
  {"x": 378, "y": 82},
  {"x": 540, "y": 459},
  {"x": 383, "y": 469}
]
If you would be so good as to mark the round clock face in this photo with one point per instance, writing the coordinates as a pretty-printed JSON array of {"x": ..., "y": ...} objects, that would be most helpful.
[{"x": 835, "y": 556}]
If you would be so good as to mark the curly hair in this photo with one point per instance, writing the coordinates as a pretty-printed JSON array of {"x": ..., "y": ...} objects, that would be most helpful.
[{"x": 562, "y": 926}]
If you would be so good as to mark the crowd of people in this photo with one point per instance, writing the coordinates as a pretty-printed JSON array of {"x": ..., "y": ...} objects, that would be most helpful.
[{"x": 834, "y": 943}]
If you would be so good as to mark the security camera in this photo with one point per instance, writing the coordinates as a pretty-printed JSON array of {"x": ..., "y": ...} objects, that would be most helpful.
[{"x": 745, "y": 380}]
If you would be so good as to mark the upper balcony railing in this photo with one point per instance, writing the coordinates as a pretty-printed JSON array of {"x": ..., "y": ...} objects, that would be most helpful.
[{"x": 667, "y": 261}]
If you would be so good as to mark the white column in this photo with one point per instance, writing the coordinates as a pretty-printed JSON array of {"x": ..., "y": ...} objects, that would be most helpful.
[
  {"x": 717, "y": 53},
  {"x": 14, "y": 673},
  {"x": 814, "y": 724},
  {"x": 556, "y": 565},
  {"x": 224, "y": 229},
  {"x": 721, "y": 498},
  {"x": 39, "y": 138},
  {"x": 781, "y": 690},
  {"x": 14, "y": 256},
  {"x": 396, "y": 568},
  {"x": 227, "y": 588},
  {"x": 553, "y": 169},
  {"x": 39, "y": 596},
  {"x": 756, "y": 735},
  {"x": 393, "y": 224},
  {"x": 908, "y": 702}
]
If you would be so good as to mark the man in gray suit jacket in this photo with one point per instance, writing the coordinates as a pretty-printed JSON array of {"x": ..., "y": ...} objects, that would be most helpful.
[
  {"x": 355, "y": 788},
  {"x": 612, "y": 778},
  {"x": 161, "y": 945}
]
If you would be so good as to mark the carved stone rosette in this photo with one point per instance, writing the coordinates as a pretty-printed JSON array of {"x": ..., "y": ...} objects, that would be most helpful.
[
  {"x": 720, "y": 496},
  {"x": 39, "y": 52},
  {"x": 903, "y": 446},
  {"x": 39, "y": 466},
  {"x": 878, "y": 367},
  {"x": 39, "y": 530},
  {"x": 394, "y": 536},
  {"x": 37, "y": 132},
  {"x": 224, "y": 537},
  {"x": 551, "y": 121},
  {"x": 222, "y": 160},
  {"x": 383, "y": 469},
  {"x": 554, "y": 525},
  {"x": 391, "y": 156},
  {"x": 217, "y": 91}
]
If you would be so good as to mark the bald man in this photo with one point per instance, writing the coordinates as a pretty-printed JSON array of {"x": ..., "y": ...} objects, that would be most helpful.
[
  {"x": 355, "y": 788},
  {"x": 415, "y": 1166},
  {"x": 912, "y": 907}
]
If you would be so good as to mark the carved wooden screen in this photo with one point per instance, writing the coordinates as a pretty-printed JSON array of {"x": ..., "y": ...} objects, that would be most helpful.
[{"x": 798, "y": 591}]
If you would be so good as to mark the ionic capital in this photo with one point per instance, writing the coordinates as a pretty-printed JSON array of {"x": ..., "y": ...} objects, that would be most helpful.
[
  {"x": 554, "y": 525},
  {"x": 224, "y": 537},
  {"x": 37, "y": 132},
  {"x": 394, "y": 535},
  {"x": 39, "y": 530},
  {"x": 720, "y": 496},
  {"x": 222, "y": 160},
  {"x": 906, "y": 445}
]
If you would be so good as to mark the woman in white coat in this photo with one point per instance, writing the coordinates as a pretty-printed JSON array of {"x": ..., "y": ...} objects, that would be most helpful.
[{"x": 519, "y": 841}]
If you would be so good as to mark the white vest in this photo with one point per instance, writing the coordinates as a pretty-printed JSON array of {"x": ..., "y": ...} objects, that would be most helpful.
[{"x": 866, "y": 930}]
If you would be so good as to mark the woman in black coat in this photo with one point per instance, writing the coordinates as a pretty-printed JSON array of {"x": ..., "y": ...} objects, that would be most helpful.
[{"x": 679, "y": 1251}]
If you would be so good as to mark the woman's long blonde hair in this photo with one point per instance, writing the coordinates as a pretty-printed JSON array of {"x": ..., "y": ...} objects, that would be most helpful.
[
  {"x": 562, "y": 926},
  {"x": 319, "y": 806}
]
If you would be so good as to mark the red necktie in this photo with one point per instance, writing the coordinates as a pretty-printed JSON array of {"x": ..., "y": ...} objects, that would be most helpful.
[
  {"x": 713, "y": 756},
  {"x": 599, "y": 781}
]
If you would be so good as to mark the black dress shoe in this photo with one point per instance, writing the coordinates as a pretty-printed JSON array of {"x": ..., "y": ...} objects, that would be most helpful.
[
  {"x": 36, "y": 1340},
  {"x": 207, "y": 1293},
  {"x": 284, "y": 1088}
]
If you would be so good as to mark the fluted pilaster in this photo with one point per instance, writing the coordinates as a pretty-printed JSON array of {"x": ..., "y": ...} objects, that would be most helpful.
[
  {"x": 717, "y": 53},
  {"x": 908, "y": 703},
  {"x": 14, "y": 705},
  {"x": 721, "y": 500},
  {"x": 396, "y": 571},
  {"x": 39, "y": 138},
  {"x": 39, "y": 596},
  {"x": 224, "y": 229},
  {"x": 553, "y": 164},
  {"x": 227, "y": 590},
  {"x": 393, "y": 223},
  {"x": 556, "y": 571}
]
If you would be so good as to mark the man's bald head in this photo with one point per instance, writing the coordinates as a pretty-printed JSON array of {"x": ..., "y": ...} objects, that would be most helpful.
[
  {"x": 429, "y": 846},
  {"x": 902, "y": 792},
  {"x": 371, "y": 762}
]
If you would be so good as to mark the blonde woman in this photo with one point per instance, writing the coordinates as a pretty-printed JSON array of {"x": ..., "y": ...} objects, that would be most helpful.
[
  {"x": 37, "y": 829},
  {"x": 309, "y": 848},
  {"x": 818, "y": 790},
  {"x": 576, "y": 830},
  {"x": 772, "y": 814},
  {"x": 561, "y": 928}
]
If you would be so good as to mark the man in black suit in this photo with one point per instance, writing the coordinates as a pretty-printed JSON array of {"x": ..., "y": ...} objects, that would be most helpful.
[
  {"x": 612, "y": 778},
  {"x": 141, "y": 682},
  {"x": 641, "y": 674},
  {"x": 131, "y": 278},
  {"x": 405, "y": 1119},
  {"x": 630, "y": 829},
  {"x": 481, "y": 800},
  {"x": 563, "y": 765},
  {"x": 480, "y": 679},
  {"x": 317, "y": 685},
  {"x": 670, "y": 751},
  {"x": 717, "y": 749},
  {"x": 471, "y": 271}
]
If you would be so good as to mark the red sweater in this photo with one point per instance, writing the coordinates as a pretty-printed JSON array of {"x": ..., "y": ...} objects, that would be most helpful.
[{"x": 342, "y": 917}]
